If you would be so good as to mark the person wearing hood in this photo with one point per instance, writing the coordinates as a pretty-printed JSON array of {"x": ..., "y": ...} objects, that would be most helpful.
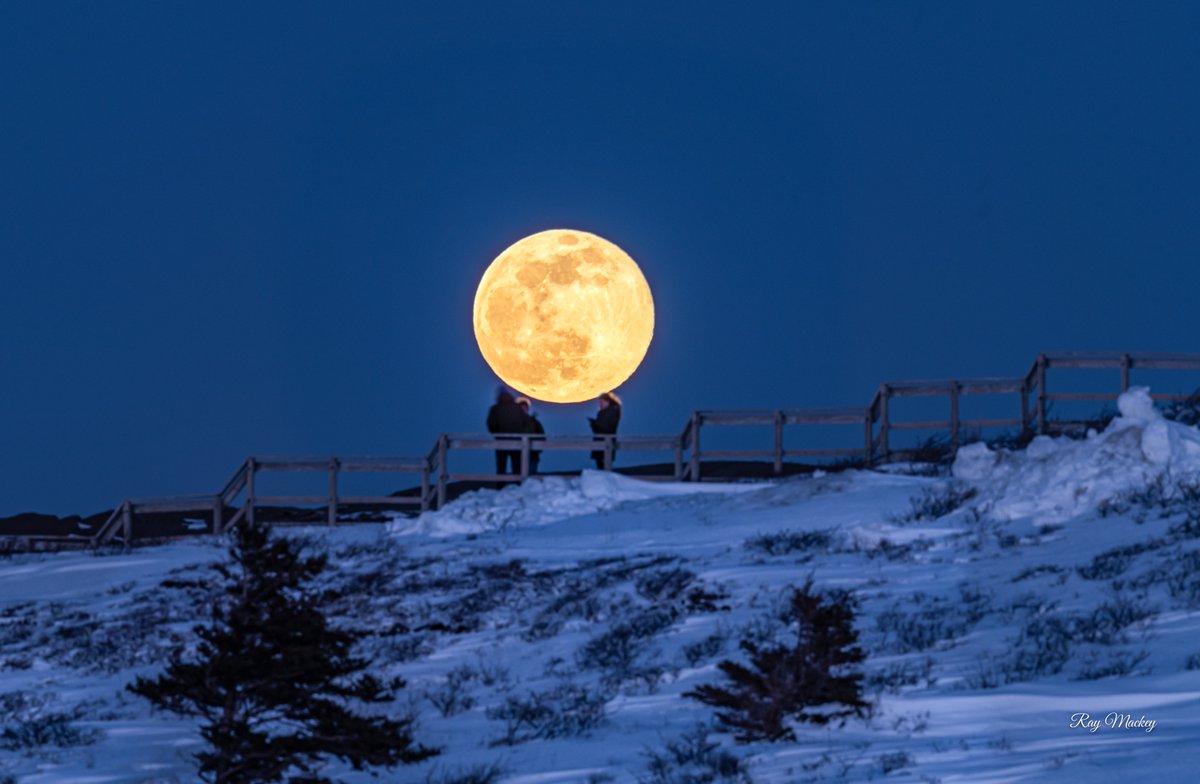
[
  {"x": 507, "y": 417},
  {"x": 605, "y": 422},
  {"x": 532, "y": 425}
]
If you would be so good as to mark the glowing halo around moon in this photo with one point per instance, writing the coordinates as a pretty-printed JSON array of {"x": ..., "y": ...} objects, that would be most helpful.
[{"x": 563, "y": 316}]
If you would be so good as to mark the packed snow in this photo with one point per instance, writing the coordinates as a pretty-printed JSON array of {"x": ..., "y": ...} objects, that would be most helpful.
[
  {"x": 1056, "y": 479},
  {"x": 1034, "y": 616},
  {"x": 547, "y": 500}
]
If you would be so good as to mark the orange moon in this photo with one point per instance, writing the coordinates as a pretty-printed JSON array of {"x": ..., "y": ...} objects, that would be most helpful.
[{"x": 563, "y": 316}]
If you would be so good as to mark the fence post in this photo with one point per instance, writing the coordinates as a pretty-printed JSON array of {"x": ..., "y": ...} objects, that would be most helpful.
[
  {"x": 442, "y": 449},
  {"x": 217, "y": 510},
  {"x": 524, "y": 457},
  {"x": 885, "y": 449},
  {"x": 1023, "y": 399},
  {"x": 1041, "y": 399},
  {"x": 868, "y": 434},
  {"x": 608, "y": 452},
  {"x": 425, "y": 486},
  {"x": 1125, "y": 372},
  {"x": 127, "y": 522},
  {"x": 694, "y": 457},
  {"x": 778, "y": 442},
  {"x": 251, "y": 472},
  {"x": 678, "y": 458},
  {"x": 954, "y": 388},
  {"x": 334, "y": 464}
]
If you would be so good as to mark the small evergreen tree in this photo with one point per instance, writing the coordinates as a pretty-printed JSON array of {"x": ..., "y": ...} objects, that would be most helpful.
[
  {"x": 783, "y": 681},
  {"x": 272, "y": 681}
]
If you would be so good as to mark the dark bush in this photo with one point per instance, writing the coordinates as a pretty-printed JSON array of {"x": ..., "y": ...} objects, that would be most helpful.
[
  {"x": 814, "y": 679},
  {"x": 275, "y": 685},
  {"x": 51, "y": 729},
  {"x": 1043, "y": 648},
  {"x": 701, "y": 600},
  {"x": 1116, "y": 665},
  {"x": 663, "y": 585},
  {"x": 936, "y": 502},
  {"x": 26, "y": 723},
  {"x": 615, "y": 650},
  {"x": 1112, "y": 563},
  {"x": 1186, "y": 412},
  {"x": 565, "y": 711},
  {"x": 479, "y": 774},
  {"x": 785, "y": 542},
  {"x": 1037, "y": 571},
  {"x": 693, "y": 759},
  {"x": 921, "y": 622},
  {"x": 703, "y": 650},
  {"x": 452, "y": 695}
]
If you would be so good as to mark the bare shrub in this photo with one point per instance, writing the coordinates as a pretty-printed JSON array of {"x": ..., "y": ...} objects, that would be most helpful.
[
  {"x": 1038, "y": 571},
  {"x": 488, "y": 773},
  {"x": 921, "y": 622},
  {"x": 493, "y": 674},
  {"x": 1115, "y": 665},
  {"x": 693, "y": 759},
  {"x": 786, "y": 542},
  {"x": 1186, "y": 411},
  {"x": 615, "y": 651},
  {"x": 565, "y": 711},
  {"x": 897, "y": 677},
  {"x": 895, "y": 760},
  {"x": 1181, "y": 575},
  {"x": 663, "y": 585},
  {"x": 936, "y": 502},
  {"x": 707, "y": 648},
  {"x": 1106, "y": 624},
  {"x": 28, "y": 721},
  {"x": 451, "y": 696}
]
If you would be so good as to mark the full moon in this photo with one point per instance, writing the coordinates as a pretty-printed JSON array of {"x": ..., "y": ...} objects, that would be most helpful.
[{"x": 563, "y": 316}]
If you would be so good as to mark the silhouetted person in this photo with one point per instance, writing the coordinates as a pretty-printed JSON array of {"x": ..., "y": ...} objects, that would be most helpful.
[
  {"x": 506, "y": 417},
  {"x": 532, "y": 425},
  {"x": 605, "y": 422}
]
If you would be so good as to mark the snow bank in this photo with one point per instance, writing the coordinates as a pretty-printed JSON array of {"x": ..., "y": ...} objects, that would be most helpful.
[
  {"x": 1055, "y": 479},
  {"x": 544, "y": 500}
]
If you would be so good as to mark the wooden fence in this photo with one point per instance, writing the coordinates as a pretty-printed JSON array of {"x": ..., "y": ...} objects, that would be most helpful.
[
  {"x": 225, "y": 511},
  {"x": 1031, "y": 404}
]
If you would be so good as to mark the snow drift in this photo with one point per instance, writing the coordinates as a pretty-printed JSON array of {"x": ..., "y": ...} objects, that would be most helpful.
[
  {"x": 1055, "y": 479},
  {"x": 547, "y": 499}
]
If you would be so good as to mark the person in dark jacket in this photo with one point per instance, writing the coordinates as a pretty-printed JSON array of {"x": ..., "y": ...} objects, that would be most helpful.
[
  {"x": 506, "y": 417},
  {"x": 532, "y": 425},
  {"x": 605, "y": 422}
]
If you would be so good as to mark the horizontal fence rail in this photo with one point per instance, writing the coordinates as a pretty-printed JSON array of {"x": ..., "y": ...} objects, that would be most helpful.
[
  {"x": 1031, "y": 397},
  {"x": 224, "y": 512}
]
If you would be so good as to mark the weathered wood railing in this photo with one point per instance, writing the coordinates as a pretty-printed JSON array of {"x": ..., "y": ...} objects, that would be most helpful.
[
  {"x": 1032, "y": 403},
  {"x": 777, "y": 419},
  {"x": 244, "y": 483},
  {"x": 1124, "y": 364}
]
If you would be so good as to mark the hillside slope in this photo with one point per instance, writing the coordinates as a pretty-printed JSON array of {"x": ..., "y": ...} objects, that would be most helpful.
[{"x": 549, "y": 631}]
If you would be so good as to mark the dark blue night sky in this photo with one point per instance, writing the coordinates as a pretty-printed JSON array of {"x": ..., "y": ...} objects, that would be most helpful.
[{"x": 229, "y": 229}]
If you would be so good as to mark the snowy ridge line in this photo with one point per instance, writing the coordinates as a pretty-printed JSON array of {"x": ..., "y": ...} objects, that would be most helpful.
[{"x": 434, "y": 471}]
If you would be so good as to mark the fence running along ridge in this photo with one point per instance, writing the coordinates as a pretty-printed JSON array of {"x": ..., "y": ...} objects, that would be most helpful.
[{"x": 1031, "y": 405}]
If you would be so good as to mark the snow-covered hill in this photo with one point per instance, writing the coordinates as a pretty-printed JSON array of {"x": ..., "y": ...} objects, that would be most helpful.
[{"x": 548, "y": 631}]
